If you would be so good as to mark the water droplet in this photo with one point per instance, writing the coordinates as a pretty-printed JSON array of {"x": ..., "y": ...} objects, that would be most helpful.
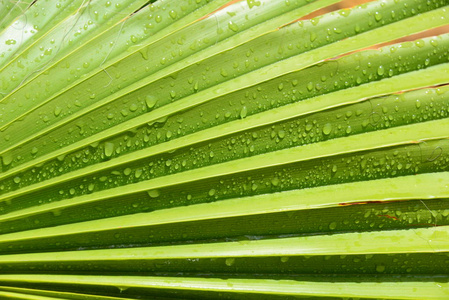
[
  {"x": 252, "y": 3},
  {"x": 332, "y": 225},
  {"x": 211, "y": 192},
  {"x": 310, "y": 86},
  {"x": 173, "y": 14},
  {"x": 281, "y": 134},
  {"x": 150, "y": 101},
  {"x": 420, "y": 43},
  {"x": 57, "y": 111},
  {"x": 144, "y": 53},
  {"x": 230, "y": 261},
  {"x": 380, "y": 70},
  {"x": 280, "y": 86},
  {"x": 380, "y": 268},
  {"x": 327, "y": 128},
  {"x": 223, "y": 72},
  {"x": 7, "y": 158},
  {"x": 243, "y": 112},
  {"x": 16, "y": 179},
  {"x": 348, "y": 129},
  {"x": 315, "y": 21},
  {"x": 254, "y": 187},
  {"x": 133, "y": 107},
  {"x": 127, "y": 171},
  {"x": 154, "y": 193},
  {"x": 377, "y": 16},
  {"x": 418, "y": 103},
  {"x": 344, "y": 12},
  {"x": 108, "y": 149},
  {"x": 434, "y": 43},
  {"x": 234, "y": 27},
  {"x": 56, "y": 212}
]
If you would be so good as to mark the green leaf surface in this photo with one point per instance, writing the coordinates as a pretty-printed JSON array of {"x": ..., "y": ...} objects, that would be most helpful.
[
  {"x": 386, "y": 290},
  {"x": 217, "y": 149},
  {"x": 10, "y": 10},
  {"x": 53, "y": 295},
  {"x": 32, "y": 24}
]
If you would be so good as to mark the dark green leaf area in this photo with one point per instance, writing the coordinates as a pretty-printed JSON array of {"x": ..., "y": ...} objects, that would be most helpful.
[
  {"x": 268, "y": 267},
  {"x": 347, "y": 218},
  {"x": 415, "y": 158}
]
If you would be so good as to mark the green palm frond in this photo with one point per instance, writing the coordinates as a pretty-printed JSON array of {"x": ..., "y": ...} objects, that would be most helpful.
[{"x": 216, "y": 149}]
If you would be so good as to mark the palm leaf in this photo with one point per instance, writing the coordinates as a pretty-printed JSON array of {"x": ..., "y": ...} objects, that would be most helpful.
[{"x": 217, "y": 149}]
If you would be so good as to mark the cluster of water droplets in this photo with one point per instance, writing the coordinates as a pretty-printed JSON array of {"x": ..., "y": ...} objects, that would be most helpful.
[{"x": 176, "y": 88}]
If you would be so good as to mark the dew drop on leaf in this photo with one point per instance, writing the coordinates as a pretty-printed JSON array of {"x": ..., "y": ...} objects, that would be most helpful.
[
  {"x": 173, "y": 14},
  {"x": 127, "y": 171},
  {"x": 108, "y": 149},
  {"x": 150, "y": 101},
  {"x": 380, "y": 268},
  {"x": 378, "y": 16},
  {"x": 380, "y": 70},
  {"x": 154, "y": 193},
  {"x": 327, "y": 128},
  {"x": 230, "y": 261},
  {"x": 243, "y": 112},
  {"x": 7, "y": 158},
  {"x": 252, "y": 3},
  {"x": 284, "y": 259},
  {"x": 57, "y": 111},
  {"x": 234, "y": 27}
]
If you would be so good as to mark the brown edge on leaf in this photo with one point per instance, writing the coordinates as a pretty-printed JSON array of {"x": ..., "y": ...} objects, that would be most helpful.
[
  {"x": 345, "y": 4},
  {"x": 364, "y": 202},
  {"x": 389, "y": 217},
  {"x": 410, "y": 38}
]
